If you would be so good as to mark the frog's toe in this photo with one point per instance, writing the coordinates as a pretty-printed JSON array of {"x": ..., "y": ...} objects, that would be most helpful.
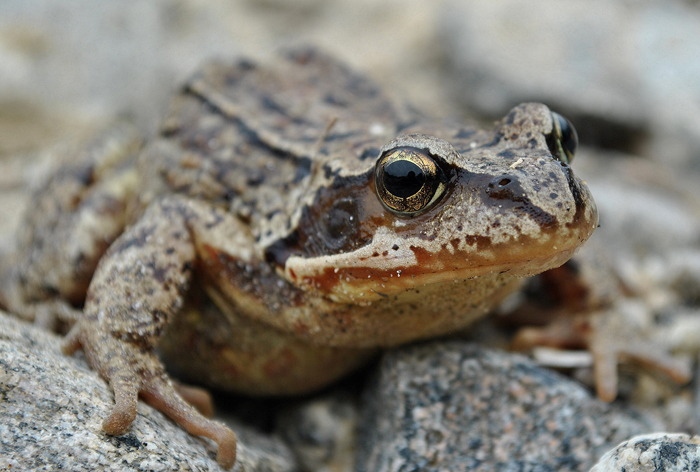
[
  {"x": 132, "y": 373},
  {"x": 53, "y": 315},
  {"x": 197, "y": 397},
  {"x": 605, "y": 359},
  {"x": 125, "y": 386},
  {"x": 678, "y": 369},
  {"x": 608, "y": 350},
  {"x": 72, "y": 343},
  {"x": 161, "y": 393}
]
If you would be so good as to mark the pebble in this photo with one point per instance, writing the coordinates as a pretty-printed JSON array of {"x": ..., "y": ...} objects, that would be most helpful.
[
  {"x": 653, "y": 453},
  {"x": 51, "y": 412},
  {"x": 455, "y": 406}
]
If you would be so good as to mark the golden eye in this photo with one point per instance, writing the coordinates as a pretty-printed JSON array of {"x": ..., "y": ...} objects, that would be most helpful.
[
  {"x": 563, "y": 140},
  {"x": 408, "y": 181}
]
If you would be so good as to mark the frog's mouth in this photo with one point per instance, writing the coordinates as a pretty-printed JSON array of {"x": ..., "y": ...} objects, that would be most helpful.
[{"x": 389, "y": 265}]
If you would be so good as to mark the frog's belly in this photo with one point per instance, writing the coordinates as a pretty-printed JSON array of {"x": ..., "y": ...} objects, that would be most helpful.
[{"x": 235, "y": 353}]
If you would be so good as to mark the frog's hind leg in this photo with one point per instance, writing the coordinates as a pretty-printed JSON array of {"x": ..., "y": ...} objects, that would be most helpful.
[{"x": 70, "y": 222}]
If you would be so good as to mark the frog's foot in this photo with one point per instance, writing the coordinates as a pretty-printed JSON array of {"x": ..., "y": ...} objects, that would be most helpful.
[
  {"x": 45, "y": 314},
  {"x": 160, "y": 393},
  {"x": 53, "y": 315},
  {"x": 197, "y": 397},
  {"x": 609, "y": 344},
  {"x": 133, "y": 372}
]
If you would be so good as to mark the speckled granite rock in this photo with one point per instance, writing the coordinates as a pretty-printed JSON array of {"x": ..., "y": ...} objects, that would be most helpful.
[
  {"x": 322, "y": 433},
  {"x": 51, "y": 410},
  {"x": 653, "y": 453},
  {"x": 456, "y": 406}
]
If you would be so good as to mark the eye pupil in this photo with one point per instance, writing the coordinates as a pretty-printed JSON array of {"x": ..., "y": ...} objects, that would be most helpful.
[{"x": 403, "y": 178}]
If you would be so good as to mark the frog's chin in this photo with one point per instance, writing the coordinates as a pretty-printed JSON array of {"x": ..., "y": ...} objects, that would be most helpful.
[{"x": 367, "y": 275}]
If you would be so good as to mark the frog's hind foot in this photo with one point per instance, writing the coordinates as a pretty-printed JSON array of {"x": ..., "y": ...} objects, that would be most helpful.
[
  {"x": 162, "y": 394},
  {"x": 197, "y": 397},
  {"x": 136, "y": 373},
  {"x": 55, "y": 315}
]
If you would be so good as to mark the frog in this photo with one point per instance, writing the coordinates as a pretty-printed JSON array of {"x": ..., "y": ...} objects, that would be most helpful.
[{"x": 288, "y": 220}]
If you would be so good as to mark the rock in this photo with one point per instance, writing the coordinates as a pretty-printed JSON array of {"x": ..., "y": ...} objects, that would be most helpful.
[
  {"x": 52, "y": 407},
  {"x": 455, "y": 406},
  {"x": 654, "y": 452},
  {"x": 619, "y": 69},
  {"x": 322, "y": 433},
  {"x": 643, "y": 222},
  {"x": 63, "y": 73},
  {"x": 111, "y": 59}
]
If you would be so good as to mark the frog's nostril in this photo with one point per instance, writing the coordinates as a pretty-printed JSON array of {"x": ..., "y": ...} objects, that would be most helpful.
[
  {"x": 501, "y": 181},
  {"x": 503, "y": 187}
]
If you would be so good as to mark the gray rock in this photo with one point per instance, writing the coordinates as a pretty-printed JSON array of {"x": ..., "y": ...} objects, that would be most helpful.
[
  {"x": 52, "y": 407},
  {"x": 68, "y": 65},
  {"x": 111, "y": 58},
  {"x": 621, "y": 68},
  {"x": 322, "y": 433},
  {"x": 456, "y": 406},
  {"x": 639, "y": 222},
  {"x": 651, "y": 453}
]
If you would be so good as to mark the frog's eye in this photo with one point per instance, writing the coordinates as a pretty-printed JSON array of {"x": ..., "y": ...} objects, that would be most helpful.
[
  {"x": 563, "y": 140},
  {"x": 408, "y": 181}
]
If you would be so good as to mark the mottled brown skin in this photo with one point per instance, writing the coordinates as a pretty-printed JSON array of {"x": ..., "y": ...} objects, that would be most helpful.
[
  {"x": 73, "y": 219},
  {"x": 265, "y": 255}
]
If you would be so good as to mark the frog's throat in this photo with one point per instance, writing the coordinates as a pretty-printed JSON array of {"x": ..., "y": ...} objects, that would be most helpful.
[{"x": 389, "y": 265}]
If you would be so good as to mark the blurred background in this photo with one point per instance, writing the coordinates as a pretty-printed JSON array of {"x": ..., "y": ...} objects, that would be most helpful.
[{"x": 627, "y": 73}]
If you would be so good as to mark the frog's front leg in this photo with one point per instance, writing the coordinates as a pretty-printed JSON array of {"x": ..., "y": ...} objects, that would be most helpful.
[{"x": 136, "y": 290}]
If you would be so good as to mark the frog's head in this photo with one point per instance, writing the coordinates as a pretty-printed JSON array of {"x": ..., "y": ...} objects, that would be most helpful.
[{"x": 430, "y": 211}]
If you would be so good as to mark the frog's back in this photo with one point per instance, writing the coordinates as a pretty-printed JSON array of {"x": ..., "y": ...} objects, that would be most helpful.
[{"x": 248, "y": 138}]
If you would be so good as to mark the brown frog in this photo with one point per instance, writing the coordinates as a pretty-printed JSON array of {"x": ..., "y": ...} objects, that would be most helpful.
[{"x": 287, "y": 221}]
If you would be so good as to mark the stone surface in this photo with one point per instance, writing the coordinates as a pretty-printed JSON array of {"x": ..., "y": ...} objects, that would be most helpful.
[
  {"x": 112, "y": 58},
  {"x": 52, "y": 407},
  {"x": 456, "y": 406},
  {"x": 322, "y": 433},
  {"x": 652, "y": 453},
  {"x": 619, "y": 69},
  {"x": 66, "y": 65}
]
